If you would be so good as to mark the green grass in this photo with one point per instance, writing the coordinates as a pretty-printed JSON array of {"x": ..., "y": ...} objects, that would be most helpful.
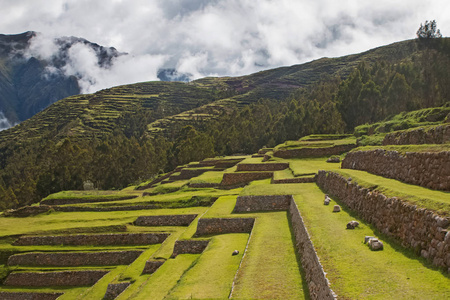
[
  {"x": 408, "y": 148},
  {"x": 271, "y": 189},
  {"x": 222, "y": 207},
  {"x": 134, "y": 270},
  {"x": 311, "y": 165},
  {"x": 371, "y": 140},
  {"x": 438, "y": 201},
  {"x": 270, "y": 269},
  {"x": 170, "y": 187},
  {"x": 90, "y": 195},
  {"x": 165, "y": 278},
  {"x": 354, "y": 271},
  {"x": 213, "y": 273},
  {"x": 283, "y": 174},
  {"x": 208, "y": 177}
]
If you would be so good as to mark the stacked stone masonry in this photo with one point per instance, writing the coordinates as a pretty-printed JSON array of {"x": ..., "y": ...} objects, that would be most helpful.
[
  {"x": 94, "y": 239},
  {"x": 190, "y": 173},
  {"x": 313, "y": 152},
  {"x": 318, "y": 284},
  {"x": 189, "y": 247},
  {"x": 76, "y": 201},
  {"x": 434, "y": 135},
  {"x": 224, "y": 225},
  {"x": 232, "y": 179},
  {"x": 427, "y": 169},
  {"x": 262, "y": 203},
  {"x": 157, "y": 180},
  {"x": 63, "y": 278},
  {"x": 262, "y": 167},
  {"x": 416, "y": 228},
  {"x": 294, "y": 180},
  {"x": 168, "y": 220},
  {"x": 152, "y": 265},
  {"x": 29, "y": 296},
  {"x": 115, "y": 289},
  {"x": 73, "y": 259}
]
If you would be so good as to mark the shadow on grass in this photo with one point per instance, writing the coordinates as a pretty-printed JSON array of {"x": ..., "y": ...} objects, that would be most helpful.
[
  {"x": 299, "y": 262},
  {"x": 393, "y": 242}
]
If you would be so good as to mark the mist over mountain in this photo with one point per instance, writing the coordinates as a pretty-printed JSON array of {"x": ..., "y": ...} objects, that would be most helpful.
[
  {"x": 173, "y": 75},
  {"x": 36, "y": 72}
]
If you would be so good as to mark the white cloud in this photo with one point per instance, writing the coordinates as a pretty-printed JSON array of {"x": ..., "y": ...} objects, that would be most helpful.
[
  {"x": 223, "y": 37},
  {"x": 4, "y": 123}
]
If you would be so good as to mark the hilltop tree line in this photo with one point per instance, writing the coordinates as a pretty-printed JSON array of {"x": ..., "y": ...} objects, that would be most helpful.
[{"x": 368, "y": 94}]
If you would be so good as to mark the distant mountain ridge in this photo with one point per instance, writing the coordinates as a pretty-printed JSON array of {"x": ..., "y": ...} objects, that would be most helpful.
[
  {"x": 173, "y": 105},
  {"x": 26, "y": 84}
]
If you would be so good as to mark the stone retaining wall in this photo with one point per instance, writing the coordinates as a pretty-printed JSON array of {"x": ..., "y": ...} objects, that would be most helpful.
[
  {"x": 168, "y": 220},
  {"x": 152, "y": 265},
  {"x": 94, "y": 239},
  {"x": 81, "y": 200},
  {"x": 73, "y": 259},
  {"x": 115, "y": 289},
  {"x": 294, "y": 180},
  {"x": 208, "y": 226},
  {"x": 313, "y": 152},
  {"x": 434, "y": 135},
  {"x": 204, "y": 185},
  {"x": 262, "y": 167},
  {"x": 29, "y": 296},
  {"x": 231, "y": 179},
  {"x": 26, "y": 211},
  {"x": 157, "y": 180},
  {"x": 63, "y": 278},
  {"x": 189, "y": 247},
  {"x": 262, "y": 203},
  {"x": 318, "y": 285},
  {"x": 417, "y": 228},
  {"x": 427, "y": 169},
  {"x": 191, "y": 173}
]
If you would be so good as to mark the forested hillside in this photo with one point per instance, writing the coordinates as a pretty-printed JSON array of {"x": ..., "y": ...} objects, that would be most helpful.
[{"x": 121, "y": 135}]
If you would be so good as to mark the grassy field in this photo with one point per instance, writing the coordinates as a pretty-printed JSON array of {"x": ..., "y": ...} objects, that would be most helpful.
[
  {"x": 270, "y": 269},
  {"x": 354, "y": 271},
  {"x": 213, "y": 274},
  {"x": 267, "y": 266}
]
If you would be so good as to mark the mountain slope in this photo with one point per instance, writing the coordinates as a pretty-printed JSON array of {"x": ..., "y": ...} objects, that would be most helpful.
[
  {"x": 28, "y": 83},
  {"x": 174, "y": 105},
  {"x": 130, "y": 133}
]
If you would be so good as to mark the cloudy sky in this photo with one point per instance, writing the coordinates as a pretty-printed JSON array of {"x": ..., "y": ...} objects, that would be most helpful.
[{"x": 216, "y": 37}]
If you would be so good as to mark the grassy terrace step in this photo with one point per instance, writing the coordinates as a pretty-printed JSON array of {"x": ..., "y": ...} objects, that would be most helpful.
[
  {"x": 407, "y": 148},
  {"x": 73, "y": 197},
  {"x": 354, "y": 271},
  {"x": 438, "y": 201},
  {"x": 212, "y": 275},
  {"x": 269, "y": 268}
]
